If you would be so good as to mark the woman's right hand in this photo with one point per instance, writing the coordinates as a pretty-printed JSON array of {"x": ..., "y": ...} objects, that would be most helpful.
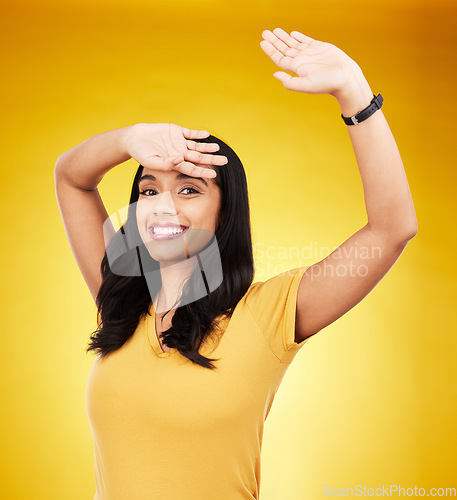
[{"x": 166, "y": 146}]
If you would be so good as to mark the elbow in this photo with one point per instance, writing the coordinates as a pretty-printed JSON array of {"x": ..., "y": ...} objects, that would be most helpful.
[
  {"x": 398, "y": 236},
  {"x": 60, "y": 159},
  {"x": 408, "y": 234},
  {"x": 410, "y": 227},
  {"x": 412, "y": 230},
  {"x": 57, "y": 168},
  {"x": 413, "y": 233}
]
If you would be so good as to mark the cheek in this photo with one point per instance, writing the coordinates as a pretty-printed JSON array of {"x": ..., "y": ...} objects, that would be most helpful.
[{"x": 209, "y": 213}]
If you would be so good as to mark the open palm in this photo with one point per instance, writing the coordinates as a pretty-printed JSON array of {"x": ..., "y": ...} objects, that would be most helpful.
[
  {"x": 321, "y": 67},
  {"x": 167, "y": 146}
]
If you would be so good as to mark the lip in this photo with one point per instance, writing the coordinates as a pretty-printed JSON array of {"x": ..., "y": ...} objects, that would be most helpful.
[{"x": 166, "y": 236}]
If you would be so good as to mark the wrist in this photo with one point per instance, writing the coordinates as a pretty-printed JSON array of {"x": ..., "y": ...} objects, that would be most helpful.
[
  {"x": 125, "y": 138},
  {"x": 355, "y": 96}
]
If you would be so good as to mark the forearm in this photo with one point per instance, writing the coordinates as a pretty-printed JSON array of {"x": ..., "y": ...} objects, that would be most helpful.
[
  {"x": 85, "y": 164},
  {"x": 388, "y": 199}
]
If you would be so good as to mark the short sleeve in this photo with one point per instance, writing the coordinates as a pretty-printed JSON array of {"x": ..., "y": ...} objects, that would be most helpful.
[{"x": 273, "y": 304}]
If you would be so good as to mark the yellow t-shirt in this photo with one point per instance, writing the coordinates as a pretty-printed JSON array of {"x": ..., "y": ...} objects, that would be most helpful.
[{"x": 167, "y": 429}]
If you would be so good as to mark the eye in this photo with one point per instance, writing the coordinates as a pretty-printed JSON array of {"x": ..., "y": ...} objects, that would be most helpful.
[
  {"x": 190, "y": 189},
  {"x": 145, "y": 191}
]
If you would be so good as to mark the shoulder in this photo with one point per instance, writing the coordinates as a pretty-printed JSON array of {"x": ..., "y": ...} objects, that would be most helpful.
[
  {"x": 276, "y": 287},
  {"x": 273, "y": 304}
]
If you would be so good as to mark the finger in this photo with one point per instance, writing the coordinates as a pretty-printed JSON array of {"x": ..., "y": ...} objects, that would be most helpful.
[
  {"x": 177, "y": 159},
  {"x": 194, "y": 134},
  {"x": 276, "y": 56},
  {"x": 301, "y": 37},
  {"x": 203, "y": 146},
  {"x": 288, "y": 40},
  {"x": 275, "y": 41},
  {"x": 190, "y": 169},
  {"x": 206, "y": 159}
]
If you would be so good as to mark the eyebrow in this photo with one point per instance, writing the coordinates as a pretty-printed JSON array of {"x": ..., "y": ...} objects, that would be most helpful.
[{"x": 179, "y": 176}]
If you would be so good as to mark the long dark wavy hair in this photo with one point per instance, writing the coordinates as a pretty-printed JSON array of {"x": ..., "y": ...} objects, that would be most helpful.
[{"x": 124, "y": 297}]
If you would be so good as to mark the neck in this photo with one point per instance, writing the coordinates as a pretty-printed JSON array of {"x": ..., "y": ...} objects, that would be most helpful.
[{"x": 173, "y": 276}]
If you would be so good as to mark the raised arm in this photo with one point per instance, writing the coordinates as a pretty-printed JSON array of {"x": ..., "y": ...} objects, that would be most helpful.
[
  {"x": 79, "y": 170},
  {"x": 77, "y": 174},
  {"x": 334, "y": 285}
]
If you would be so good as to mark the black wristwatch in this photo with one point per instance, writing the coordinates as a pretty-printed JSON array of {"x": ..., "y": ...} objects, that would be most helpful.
[{"x": 374, "y": 105}]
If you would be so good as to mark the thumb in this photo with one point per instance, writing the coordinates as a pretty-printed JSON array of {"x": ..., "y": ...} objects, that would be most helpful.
[{"x": 289, "y": 82}]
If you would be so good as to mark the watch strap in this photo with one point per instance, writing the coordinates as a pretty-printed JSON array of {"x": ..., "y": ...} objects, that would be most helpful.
[{"x": 374, "y": 105}]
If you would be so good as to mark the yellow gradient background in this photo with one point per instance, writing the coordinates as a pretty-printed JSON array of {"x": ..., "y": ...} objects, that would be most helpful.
[{"x": 371, "y": 399}]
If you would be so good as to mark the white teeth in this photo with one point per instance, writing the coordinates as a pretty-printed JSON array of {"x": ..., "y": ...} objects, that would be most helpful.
[{"x": 166, "y": 230}]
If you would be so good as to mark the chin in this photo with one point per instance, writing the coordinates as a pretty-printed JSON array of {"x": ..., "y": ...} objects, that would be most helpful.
[{"x": 165, "y": 253}]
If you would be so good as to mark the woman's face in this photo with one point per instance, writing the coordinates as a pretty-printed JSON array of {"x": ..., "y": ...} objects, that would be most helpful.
[{"x": 177, "y": 214}]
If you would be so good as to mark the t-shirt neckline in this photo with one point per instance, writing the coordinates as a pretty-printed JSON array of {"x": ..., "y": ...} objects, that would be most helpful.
[{"x": 151, "y": 334}]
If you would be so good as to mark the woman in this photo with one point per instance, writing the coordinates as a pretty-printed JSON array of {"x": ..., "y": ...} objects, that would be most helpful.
[{"x": 191, "y": 352}]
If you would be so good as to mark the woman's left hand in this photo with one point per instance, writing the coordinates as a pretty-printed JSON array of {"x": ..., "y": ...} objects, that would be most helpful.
[{"x": 321, "y": 67}]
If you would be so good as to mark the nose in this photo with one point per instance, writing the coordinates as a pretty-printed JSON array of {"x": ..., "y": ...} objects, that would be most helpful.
[{"x": 163, "y": 204}]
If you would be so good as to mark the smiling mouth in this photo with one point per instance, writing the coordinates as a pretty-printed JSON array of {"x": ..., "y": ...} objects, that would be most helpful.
[{"x": 166, "y": 233}]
